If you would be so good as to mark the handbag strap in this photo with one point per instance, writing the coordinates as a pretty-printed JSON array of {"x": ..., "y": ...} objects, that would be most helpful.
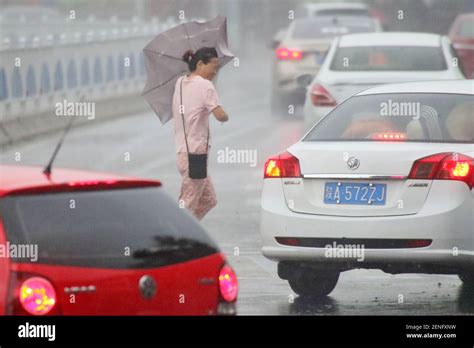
[{"x": 181, "y": 110}]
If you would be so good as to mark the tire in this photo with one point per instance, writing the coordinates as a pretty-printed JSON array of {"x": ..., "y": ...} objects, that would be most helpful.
[
  {"x": 314, "y": 284},
  {"x": 467, "y": 278}
]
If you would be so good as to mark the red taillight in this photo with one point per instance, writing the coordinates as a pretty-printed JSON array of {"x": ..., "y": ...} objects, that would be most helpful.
[
  {"x": 389, "y": 136},
  {"x": 444, "y": 166},
  {"x": 228, "y": 285},
  {"x": 418, "y": 243},
  {"x": 283, "y": 53},
  {"x": 37, "y": 296},
  {"x": 91, "y": 183},
  {"x": 288, "y": 241},
  {"x": 321, "y": 97},
  {"x": 284, "y": 165}
]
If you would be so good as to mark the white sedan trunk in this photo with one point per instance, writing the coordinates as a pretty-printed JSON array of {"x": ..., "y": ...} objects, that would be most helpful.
[{"x": 385, "y": 164}]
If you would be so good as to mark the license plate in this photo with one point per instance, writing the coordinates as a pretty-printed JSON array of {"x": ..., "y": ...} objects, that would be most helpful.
[{"x": 355, "y": 193}]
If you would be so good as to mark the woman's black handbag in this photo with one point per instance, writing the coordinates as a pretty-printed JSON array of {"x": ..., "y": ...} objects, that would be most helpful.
[
  {"x": 197, "y": 165},
  {"x": 197, "y": 162}
]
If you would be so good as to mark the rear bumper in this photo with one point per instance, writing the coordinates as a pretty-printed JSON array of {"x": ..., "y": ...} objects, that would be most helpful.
[
  {"x": 395, "y": 261},
  {"x": 198, "y": 280},
  {"x": 447, "y": 222}
]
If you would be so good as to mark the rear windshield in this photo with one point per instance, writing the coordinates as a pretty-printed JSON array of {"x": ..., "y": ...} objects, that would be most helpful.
[
  {"x": 330, "y": 27},
  {"x": 388, "y": 58},
  {"x": 466, "y": 29},
  {"x": 446, "y": 118},
  {"x": 131, "y": 228}
]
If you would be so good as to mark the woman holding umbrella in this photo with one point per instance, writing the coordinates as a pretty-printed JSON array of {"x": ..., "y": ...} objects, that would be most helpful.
[
  {"x": 189, "y": 99},
  {"x": 194, "y": 99}
]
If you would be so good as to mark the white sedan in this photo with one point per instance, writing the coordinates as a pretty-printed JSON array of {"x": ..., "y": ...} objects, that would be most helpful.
[
  {"x": 358, "y": 61},
  {"x": 383, "y": 181}
]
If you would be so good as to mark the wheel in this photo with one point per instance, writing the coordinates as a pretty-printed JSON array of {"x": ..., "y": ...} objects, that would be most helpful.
[
  {"x": 314, "y": 284},
  {"x": 467, "y": 278}
]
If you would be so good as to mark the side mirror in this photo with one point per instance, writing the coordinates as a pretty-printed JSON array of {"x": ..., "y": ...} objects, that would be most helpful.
[{"x": 305, "y": 80}]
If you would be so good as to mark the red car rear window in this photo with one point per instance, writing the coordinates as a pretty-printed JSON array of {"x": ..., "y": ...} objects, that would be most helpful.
[{"x": 130, "y": 228}]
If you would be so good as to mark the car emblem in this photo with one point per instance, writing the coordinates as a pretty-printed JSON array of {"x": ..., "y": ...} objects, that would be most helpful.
[
  {"x": 353, "y": 163},
  {"x": 147, "y": 286}
]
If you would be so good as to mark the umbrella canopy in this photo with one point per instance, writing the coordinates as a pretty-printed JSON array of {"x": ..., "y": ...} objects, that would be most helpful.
[{"x": 164, "y": 63}]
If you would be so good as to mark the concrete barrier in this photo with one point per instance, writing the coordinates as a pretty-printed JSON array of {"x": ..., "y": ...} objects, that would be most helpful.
[
  {"x": 28, "y": 128},
  {"x": 40, "y": 71}
]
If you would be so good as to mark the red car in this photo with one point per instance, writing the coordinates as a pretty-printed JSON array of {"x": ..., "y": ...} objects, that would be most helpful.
[
  {"x": 462, "y": 36},
  {"x": 82, "y": 243}
]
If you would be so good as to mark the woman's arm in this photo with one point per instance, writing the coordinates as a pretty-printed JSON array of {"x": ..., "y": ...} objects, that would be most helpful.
[
  {"x": 220, "y": 114},
  {"x": 211, "y": 103}
]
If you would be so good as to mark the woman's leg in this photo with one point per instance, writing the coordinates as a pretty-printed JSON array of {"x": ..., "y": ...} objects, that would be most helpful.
[
  {"x": 191, "y": 189},
  {"x": 208, "y": 199}
]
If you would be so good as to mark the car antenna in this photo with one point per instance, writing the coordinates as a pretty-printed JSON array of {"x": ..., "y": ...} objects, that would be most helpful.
[{"x": 48, "y": 168}]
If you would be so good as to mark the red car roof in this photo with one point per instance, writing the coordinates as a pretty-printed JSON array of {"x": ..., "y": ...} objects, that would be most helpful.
[{"x": 17, "y": 179}]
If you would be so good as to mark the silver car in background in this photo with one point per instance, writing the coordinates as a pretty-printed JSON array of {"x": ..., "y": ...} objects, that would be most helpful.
[
  {"x": 358, "y": 61},
  {"x": 302, "y": 51}
]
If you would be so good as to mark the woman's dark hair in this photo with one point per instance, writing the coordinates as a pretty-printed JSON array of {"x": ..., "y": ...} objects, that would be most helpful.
[{"x": 205, "y": 54}]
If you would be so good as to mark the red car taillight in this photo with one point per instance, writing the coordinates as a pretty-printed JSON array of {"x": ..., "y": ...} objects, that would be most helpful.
[
  {"x": 284, "y": 165},
  {"x": 321, "y": 97},
  {"x": 37, "y": 296},
  {"x": 283, "y": 53},
  {"x": 228, "y": 285},
  {"x": 444, "y": 166},
  {"x": 31, "y": 295}
]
